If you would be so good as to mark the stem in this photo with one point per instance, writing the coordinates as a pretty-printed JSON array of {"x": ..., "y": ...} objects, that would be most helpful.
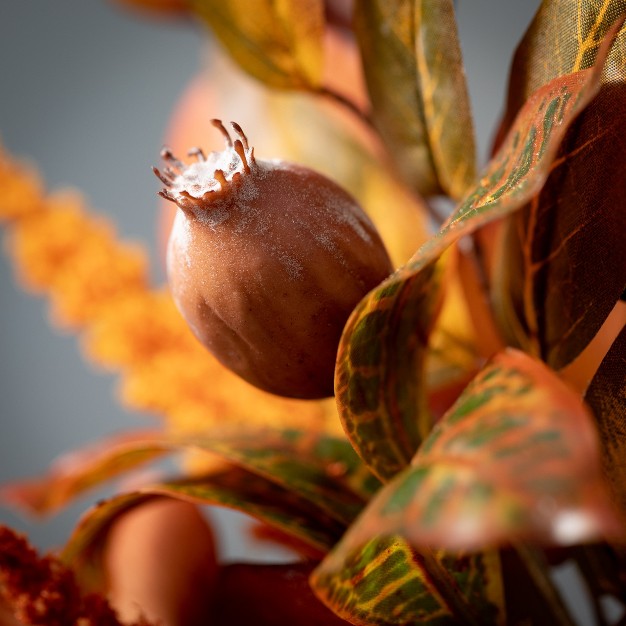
[
  {"x": 597, "y": 611},
  {"x": 476, "y": 294},
  {"x": 601, "y": 575},
  {"x": 529, "y": 270},
  {"x": 368, "y": 122},
  {"x": 437, "y": 218},
  {"x": 537, "y": 568},
  {"x": 449, "y": 590},
  {"x": 340, "y": 99}
]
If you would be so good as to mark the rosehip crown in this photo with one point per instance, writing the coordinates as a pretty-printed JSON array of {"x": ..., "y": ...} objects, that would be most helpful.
[{"x": 209, "y": 177}]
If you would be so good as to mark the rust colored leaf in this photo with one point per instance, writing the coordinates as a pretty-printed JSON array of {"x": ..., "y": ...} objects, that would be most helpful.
[
  {"x": 279, "y": 42},
  {"x": 75, "y": 473},
  {"x": 559, "y": 285},
  {"x": 515, "y": 459},
  {"x": 606, "y": 396},
  {"x": 388, "y": 583},
  {"x": 571, "y": 282},
  {"x": 231, "y": 487},
  {"x": 380, "y": 368},
  {"x": 414, "y": 72}
]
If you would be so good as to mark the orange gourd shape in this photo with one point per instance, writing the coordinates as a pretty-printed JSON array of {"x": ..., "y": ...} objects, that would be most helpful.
[{"x": 266, "y": 260}]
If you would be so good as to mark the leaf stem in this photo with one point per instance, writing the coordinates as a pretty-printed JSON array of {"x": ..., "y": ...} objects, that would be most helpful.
[
  {"x": 537, "y": 568},
  {"x": 367, "y": 121},
  {"x": 348, "y": 104},
  {"x": 460, "y": 608},
  {"x": 530, "y": 270},
  {"x": 600, "y": 572}
]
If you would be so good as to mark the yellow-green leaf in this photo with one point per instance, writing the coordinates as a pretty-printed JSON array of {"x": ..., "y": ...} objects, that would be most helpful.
[
  {"x": 387, "y": 583},
  {"x": 515, "y": 459},
  {"x": 414, "y": 72},
  {"x": 279, "y": 42},
  {"x": 380, "y": 366}
]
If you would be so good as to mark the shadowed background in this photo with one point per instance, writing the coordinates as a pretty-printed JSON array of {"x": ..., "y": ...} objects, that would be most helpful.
[{"x": 86, "y": 92}]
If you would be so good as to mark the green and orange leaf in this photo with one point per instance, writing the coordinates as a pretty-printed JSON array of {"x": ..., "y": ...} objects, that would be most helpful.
[
  {"x": 386, "y": 582},
  {"x": 414, "y": 71},
  {"x": 515, "y": 459},
  {"x": 280, "y": 42},
  {"x": 380, "y": 367}
]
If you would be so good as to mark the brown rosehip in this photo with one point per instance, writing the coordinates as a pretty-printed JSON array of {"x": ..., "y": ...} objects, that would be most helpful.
[{"x": 266, "y": 260}]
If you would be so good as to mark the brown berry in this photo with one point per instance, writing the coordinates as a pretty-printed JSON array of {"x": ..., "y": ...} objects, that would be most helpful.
[{"x": 266, "y": 261}]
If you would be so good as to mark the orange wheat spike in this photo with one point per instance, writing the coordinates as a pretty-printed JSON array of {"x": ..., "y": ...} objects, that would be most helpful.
[{"x": 22, "y": 190}]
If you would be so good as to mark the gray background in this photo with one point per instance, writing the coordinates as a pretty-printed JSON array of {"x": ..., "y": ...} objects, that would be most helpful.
[{"x": 85, "y": 92}]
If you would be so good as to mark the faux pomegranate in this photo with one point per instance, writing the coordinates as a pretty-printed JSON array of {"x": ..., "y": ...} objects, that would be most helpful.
[{"x": 265, "y": 261}]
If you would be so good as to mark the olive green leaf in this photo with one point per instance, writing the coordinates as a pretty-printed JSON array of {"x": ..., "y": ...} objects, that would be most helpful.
[
  {"x": 415, "y": 77},
  {"x": 231, "y": 487},
  {"x": 279, "y": 42},
  {"x": 606, "y": 396},
  {"x": 386, "y": 582},
  {"x": 564, "y": 37},
  {"x": 320, "y": 468},
  {"x": 379, "y": 379},
  {"x": 515, "y": 459},
  {"x": 557, "y": 283}
]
